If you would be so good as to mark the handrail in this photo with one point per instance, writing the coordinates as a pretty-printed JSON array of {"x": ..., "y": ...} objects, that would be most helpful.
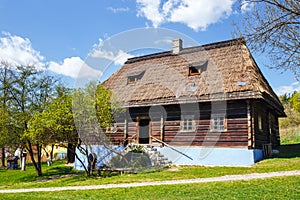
[
  {"x": 134, "y": 136},
  {"x": 126, "y": 147},
  {"x": 171, "y": 147}
]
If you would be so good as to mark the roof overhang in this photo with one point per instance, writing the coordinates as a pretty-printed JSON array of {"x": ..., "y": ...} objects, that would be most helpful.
[{"x": 244, "y": 95}]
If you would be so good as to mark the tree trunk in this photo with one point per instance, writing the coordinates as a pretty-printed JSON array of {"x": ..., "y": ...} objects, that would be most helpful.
[
  {"x": 51, "y": 153},
  {"x": 71, "y": 153},
  {"x": 3, "y": 157},
  {"x": 82, "y": 163},
  {"x": 38, "y": 170},
  {"x": 84, "y": 151},
  {"x": 39, "y": 155}
]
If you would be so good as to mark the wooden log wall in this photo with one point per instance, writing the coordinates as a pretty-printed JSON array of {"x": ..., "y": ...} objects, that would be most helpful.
[
  {"x": 166, "y": 125},
  {"x": 235, "y": 135},
  {"x": 270, "y": 129},
  {"x": 116, "y": 136}
]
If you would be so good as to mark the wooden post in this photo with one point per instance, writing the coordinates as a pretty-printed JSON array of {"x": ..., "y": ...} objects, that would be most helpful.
[
  {"x": 253, "y": 125},
  {"x": 137, "y": 125},
  {"x": 125, "y": 130},
  {"x": 150, "y": 132},
  {"x": 249, "y": 120},
  {"x": 270, "y": 126},
  {"x": 161, "y": 126}
]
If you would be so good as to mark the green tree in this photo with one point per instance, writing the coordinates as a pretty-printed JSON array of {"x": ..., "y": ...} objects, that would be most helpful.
[
  {"x": 29, "y": 93},
  {"x": 291, "y": 105},
  {"x": 295, "y": 101},
  {"x": 55, "y": 124},
  {"x": 94, "y": 109},
  {"x": 273, "y": 27},
  {"x": 284, "y": 99},
  {"x": 8, "y": 136},
  {"x": 104, "y": 107}
]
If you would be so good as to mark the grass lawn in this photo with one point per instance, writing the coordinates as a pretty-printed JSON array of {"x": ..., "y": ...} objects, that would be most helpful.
[
  {"x": 60, "y": 175},
  {"x": 272, "y": 188}
]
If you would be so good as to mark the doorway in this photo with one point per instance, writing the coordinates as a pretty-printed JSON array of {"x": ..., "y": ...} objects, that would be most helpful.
[{"x": 143, "y": 131}]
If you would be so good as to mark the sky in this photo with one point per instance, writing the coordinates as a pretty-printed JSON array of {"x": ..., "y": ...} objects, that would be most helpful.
[{"x": 88, "y": 40}]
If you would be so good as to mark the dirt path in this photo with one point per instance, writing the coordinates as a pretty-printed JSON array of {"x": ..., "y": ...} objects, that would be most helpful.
[{"x": 171, "y": 182}]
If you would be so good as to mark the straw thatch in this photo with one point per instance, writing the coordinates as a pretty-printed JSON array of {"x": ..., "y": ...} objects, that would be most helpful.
[{"x": 227, "y": 72}]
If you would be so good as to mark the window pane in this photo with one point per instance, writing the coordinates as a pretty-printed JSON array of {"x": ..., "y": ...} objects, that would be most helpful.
[
  {"x": 221, "y": 121},
  {"x": 218, "y": 122},
  {"x": 185, "y": 124},
  {"x": 190, "y": 124}
]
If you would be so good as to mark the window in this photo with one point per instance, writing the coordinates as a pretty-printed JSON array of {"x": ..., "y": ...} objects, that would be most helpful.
[
  {"x": 197, "y": 67},
  {"x": 218, "y": 122},
  {"x": 133, "y": 78},
  {"x": 187, "y": 123},
  {"x": 112, "y": 128},
  {"x": 194, "y": 71}
]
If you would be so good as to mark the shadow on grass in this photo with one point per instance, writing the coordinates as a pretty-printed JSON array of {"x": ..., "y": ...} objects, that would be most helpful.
[{"x": 289, "y": 151}]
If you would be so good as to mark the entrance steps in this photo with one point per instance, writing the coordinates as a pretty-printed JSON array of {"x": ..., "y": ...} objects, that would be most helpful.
[{"x": 155, "y": 156}]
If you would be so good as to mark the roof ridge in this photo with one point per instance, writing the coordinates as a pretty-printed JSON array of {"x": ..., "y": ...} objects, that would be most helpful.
[{"x": 188, "y": 49}]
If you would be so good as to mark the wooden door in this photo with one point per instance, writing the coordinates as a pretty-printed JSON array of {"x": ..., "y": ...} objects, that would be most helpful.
[{"x": 143, "y": 137}]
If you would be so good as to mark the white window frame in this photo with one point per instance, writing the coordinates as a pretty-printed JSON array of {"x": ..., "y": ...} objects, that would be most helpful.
[
  {"x": 187, "y": 123},
  {"x": 218, "y": 122}
]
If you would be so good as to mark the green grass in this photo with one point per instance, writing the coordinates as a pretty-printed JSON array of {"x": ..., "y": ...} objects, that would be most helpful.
[
  {"x": 61, "y": 175},
  {"x": 271, "y": 188},
  {"x": 27, "y": 179},
  {"x": 290, "y": 135}
]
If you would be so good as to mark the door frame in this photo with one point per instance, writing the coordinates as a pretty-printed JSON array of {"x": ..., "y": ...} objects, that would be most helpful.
[{"x": 138, "y": 119}]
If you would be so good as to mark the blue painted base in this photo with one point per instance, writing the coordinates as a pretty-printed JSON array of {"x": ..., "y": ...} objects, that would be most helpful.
[
  {"x": 103, "y": 155},
  {"x": 188, "y": 156},
  {"x": 212, "y": 156}
]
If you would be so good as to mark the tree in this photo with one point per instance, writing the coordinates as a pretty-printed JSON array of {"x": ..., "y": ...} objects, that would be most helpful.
[
  {"x": 291, "y": 105},
  {"x": 3, "y": 109},
  {"x": 273, "y": 27},
  {"x": 103, "y": 105},
  {"x": 29, "y": 93},
  {"x": 284, "y": 99},
  {"x": 56, "y": 124},
  {"x": 8, "y": 136},
  {"x": 295, "y": 101},
  {"x": 93, "y": 108}
]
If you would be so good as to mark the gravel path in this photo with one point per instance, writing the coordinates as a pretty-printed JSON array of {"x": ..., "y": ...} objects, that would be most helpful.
[{"x": 171, "y": 182}]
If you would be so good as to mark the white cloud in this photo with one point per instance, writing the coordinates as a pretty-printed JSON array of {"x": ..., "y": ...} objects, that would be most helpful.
[
  {"x": 196, "y": 14},
  {"x": 117, "y": 10},
  {"x": 119, "y": 57},
  {"x": 150, "y": 10},
  {"x": 287, "y": 89},
  {"x": 19, "y": 51},
  {"x": 74, "y": 67}
]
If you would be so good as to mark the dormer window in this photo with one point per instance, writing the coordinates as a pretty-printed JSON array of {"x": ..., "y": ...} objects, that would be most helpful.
[
  {"x": 197, "y": 68},
  {"x": 132, "y": 79},
  {"x": 135, "y": 77},
  {"x": 194, "y": 71}
]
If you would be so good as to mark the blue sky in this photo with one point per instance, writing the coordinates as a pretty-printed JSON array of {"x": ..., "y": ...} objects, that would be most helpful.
[{"x": 61, "y": 35}]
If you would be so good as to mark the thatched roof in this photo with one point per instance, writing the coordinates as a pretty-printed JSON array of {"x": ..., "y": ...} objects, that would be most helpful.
[{"x": 227, "y": 72}]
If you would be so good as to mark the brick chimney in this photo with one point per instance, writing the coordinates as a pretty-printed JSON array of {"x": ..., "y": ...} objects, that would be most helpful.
[{"x": 177, "y": 46}]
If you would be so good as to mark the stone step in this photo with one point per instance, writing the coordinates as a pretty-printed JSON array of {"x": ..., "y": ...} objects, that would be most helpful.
[{"x": 155, "y": 156}]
